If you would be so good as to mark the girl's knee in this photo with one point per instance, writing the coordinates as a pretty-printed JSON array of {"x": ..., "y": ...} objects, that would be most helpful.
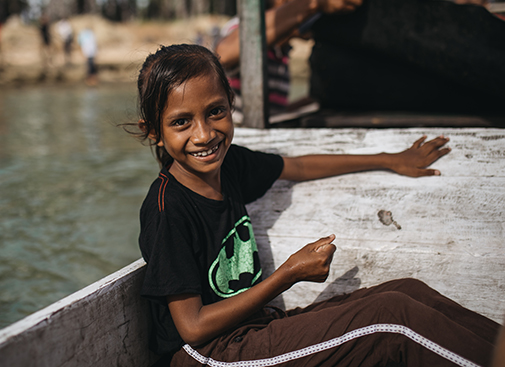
[
  {"x": 409, "y": 283},
  {"x": 396, "y": 304},
  {"x": 411, "y": 286},
  {"x": 393, "y": 297},
  {"x": 415, "y": 283}
]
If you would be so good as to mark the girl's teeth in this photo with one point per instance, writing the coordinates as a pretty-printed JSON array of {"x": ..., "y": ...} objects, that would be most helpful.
[{"x": 206, "y": 153}]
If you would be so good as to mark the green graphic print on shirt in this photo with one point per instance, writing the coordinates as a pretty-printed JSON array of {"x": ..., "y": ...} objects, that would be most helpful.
[{"x": 236, "y": 267}]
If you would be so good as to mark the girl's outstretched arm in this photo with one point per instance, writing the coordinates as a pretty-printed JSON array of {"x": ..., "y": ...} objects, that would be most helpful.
[
  {"x": 411, "y": 162},
  {"x": 198, "y": 324}
]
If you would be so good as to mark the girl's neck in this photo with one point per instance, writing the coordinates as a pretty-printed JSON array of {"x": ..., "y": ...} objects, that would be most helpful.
[{"x": 207, "y": 185}]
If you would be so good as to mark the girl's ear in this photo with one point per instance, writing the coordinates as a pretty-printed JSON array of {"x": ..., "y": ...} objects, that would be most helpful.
[{"x": 152, "y": 134}]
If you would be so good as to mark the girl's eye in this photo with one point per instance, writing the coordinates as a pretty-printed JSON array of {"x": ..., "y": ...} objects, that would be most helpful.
[
  {"x": 180, "y": 122},
  {"x": 216, "y": 111}
]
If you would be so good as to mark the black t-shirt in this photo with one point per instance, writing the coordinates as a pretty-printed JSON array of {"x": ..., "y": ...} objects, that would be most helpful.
[{"x": 193, "y": 244}]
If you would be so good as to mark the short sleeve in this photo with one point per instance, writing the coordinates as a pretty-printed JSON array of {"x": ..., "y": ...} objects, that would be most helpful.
[
  {"x": 256, "y": 171},
  {"x": 172, "y": 268}
]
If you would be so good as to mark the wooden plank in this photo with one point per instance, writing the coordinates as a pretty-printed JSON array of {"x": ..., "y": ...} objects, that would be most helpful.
[
  {"x": 104, "y": 324},
  {"x": 252, "y": 62},
  {"x": 452, "y": 225},
  {"x": 392, "y": 119},
  {"x": 310, "y": 116}
]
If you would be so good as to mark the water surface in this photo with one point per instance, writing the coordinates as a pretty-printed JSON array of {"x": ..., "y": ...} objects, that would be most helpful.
[{"x": 71, "y": 184}]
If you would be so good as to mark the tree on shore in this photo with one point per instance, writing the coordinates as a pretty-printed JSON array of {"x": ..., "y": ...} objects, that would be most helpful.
[
  {"x": 122, "y": 10},
  {"x": 11, "y": 7},
  {"x": 58, "y": 9},
  {"x": 182, "y": 9},
  {"x": 119, "y": 10}
]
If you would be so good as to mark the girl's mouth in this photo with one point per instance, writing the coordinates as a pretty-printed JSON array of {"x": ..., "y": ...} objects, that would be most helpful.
[{"x": 206, "y": 152}]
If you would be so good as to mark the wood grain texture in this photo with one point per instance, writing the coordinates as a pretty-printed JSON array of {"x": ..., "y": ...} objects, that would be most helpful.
[
  {"x": 104, "y": 324},
  {"x": 452, "y": 225}
]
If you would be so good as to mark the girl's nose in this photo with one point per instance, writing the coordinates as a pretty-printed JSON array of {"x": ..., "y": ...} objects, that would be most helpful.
[{"x": 203, "y": 133}]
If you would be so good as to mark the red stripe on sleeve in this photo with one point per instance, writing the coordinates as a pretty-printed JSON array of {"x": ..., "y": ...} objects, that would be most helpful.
[{"x": 161, "y": 193}]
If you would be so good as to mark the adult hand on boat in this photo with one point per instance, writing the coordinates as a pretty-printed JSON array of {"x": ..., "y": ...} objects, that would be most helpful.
[
  {"x": 312, "y": 262},
  {"x": 484, "y": 3},
  {"x": 338, "y": 6},
  {"x": 413, "y": 161}
]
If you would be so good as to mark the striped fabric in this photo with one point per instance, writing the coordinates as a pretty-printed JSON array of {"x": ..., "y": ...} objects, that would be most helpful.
[
  {"x": 334, "y": 343},
  {"x": 277, "y": 74}
]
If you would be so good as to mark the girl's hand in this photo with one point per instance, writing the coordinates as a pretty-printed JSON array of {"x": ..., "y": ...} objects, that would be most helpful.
[
  {"x": 198, "y": 323},
  {"x": 312, "y": 262},
  {"x": 413, "y": 161}
]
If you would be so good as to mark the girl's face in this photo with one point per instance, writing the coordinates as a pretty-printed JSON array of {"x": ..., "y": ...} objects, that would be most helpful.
[{"x": 197, "y": 128}]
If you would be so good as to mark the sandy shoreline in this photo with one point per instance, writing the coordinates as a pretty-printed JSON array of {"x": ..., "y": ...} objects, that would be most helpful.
[{"x": 122, "y": 47}]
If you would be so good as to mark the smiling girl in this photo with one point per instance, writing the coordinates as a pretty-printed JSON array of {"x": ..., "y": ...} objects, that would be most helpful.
[{"x": 204, "y": 279}]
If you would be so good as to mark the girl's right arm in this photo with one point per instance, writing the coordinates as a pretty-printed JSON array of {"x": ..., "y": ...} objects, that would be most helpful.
[{"x": 198, "y": 324}]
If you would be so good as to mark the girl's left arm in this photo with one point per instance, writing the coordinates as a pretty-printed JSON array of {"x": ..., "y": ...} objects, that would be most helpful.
[{"x": 411, "y": 162}]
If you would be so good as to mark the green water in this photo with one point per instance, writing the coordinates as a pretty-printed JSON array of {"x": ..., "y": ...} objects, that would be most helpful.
[{"x": 71, "y": 184}]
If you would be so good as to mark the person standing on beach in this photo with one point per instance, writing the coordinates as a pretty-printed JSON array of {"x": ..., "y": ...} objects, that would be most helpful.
[
  {"x": 67, "y": 35},
  {"x": 87, "y": 41},
  {"x": 45, "y": 34}
]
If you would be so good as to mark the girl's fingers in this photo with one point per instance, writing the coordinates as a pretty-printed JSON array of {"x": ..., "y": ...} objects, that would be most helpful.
[
  {"x": 329, "y": 247},
  {"x": 418, "y": 142},
  {"x": 429, "y": 172},
  {"x": 324, "y": 240},
  {"x": 433, "y": 144},
  {"x": 441, "y": 153},
  {"x": 435, "y": 155},
  {"x": 437, "y": 142},
  {"x": 325, "y": 245},
  {"x": 440, "y": 141}
]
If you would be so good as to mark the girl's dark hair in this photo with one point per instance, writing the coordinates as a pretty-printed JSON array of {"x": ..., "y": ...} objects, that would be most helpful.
[{"x": 162, "y": 72}]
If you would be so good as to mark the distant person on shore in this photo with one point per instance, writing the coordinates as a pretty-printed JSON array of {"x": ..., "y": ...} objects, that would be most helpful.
[
  {"x": 88, "y": 44},
  {"x": 417, "y": 55},
  {"x": 67, "y": 35},
  {"x": 199, "y": 40},
  {"x": 45, "y": 35}
]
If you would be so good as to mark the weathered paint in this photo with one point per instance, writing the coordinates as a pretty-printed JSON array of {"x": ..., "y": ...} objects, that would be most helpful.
[
  {"x": 452, "y": 234},
  {"x": 451, "y": 238},
  {"x": 104, "y": 324}
]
